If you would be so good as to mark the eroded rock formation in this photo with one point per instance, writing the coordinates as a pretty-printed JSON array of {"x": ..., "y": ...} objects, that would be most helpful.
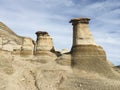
[
  {"x": 84, "y": 50},
  {"x": 26, "y": 64},
  {"x": 27, "y": 46},
  {"x": 81, "y": 33},
  {"x": 8, "y": 39},
  {"x": 44, "y": 42}
]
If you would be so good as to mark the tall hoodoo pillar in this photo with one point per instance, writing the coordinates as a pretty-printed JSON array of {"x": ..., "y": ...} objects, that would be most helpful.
[
  {"x": 81, "y": 33},
  {"x": 84, "y": 50}
]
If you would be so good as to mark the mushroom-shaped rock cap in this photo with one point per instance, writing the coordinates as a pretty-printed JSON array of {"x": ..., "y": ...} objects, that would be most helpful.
[
  {"x": 79, "y": 20},
  {"x": 41, "y": 33}
]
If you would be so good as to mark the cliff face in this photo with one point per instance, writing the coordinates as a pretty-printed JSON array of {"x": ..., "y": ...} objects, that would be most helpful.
[
  {"x": 26, "y": 64},
  {"x": 7, "y": 32}
]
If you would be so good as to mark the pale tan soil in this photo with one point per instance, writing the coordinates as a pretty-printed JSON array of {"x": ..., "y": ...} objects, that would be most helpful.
[{"x": 29, "y": 73}]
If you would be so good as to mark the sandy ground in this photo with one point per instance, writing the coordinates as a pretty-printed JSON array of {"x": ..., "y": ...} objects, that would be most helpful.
[{"x": 31, "y": 73}]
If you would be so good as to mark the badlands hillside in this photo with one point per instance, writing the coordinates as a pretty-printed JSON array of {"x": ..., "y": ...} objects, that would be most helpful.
[{"x": 26, "y": 64}]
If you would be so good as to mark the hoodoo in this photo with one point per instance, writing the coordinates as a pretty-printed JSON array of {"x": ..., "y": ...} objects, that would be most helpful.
[
  {"x": 44, "y": 42},
  {"x": 26, "y": 64},
  {"x": 81, "y": 33},
  {"x": 86, "y": 55}
]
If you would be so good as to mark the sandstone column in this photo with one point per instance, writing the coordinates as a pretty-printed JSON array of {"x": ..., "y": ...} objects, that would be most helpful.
[
  {"x": 44, "y": 42},
  {"x": 81, "y": 33},
  {"x": 85, "y": 53},
  {"x": 27, "y": 47}
]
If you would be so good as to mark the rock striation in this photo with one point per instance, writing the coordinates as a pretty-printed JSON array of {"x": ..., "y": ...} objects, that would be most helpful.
[
  {"x": 19, "y": 45},
  {"x": 85, "y": 53},
  {"x": 44, "y": 48},
  {"x": 44, "y": 42},
  {"x": 26, "y": 64},
  {"x": 27, "y": 47},
  {"x": 9, "y": 41},
  {"x": 81, "y": 33}
]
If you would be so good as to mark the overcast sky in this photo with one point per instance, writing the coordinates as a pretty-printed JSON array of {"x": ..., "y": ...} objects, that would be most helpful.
[{"x": 25, "y": 17}]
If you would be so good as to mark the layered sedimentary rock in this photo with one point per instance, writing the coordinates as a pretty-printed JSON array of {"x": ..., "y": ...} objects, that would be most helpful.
[
  {"x": 8, "y": 39},
  {"x": 44, "y": 47},
  {"x": 8, "y": 43},
  {"x": 81, "y": 33},
  {"x": 64, "y": 59},
  {"x": 44, "y": 42},
  {"x": 43, "y": 68},
  {"x": 86, "y": 55},
  {"x": 27, "y": 47},
  {"x": 7, "y": 32}
]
